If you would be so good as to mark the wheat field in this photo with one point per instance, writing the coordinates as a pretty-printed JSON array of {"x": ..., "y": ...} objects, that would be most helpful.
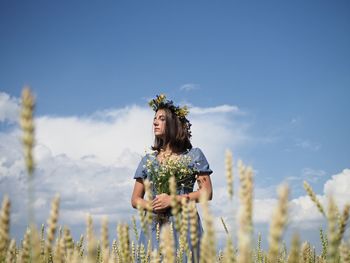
[{"x": 52, "y": 243}]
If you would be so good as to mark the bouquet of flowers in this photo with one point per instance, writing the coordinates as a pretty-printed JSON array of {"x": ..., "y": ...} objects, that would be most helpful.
[{"x": 185, "y": 175}]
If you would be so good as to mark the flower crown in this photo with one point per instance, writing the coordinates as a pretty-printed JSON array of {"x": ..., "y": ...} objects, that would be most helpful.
[{"x": 161, "y": 102}]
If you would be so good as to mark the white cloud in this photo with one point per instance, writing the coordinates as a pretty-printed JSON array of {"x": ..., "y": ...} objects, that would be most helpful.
[
  {"x": 312, "y": 175},
  {"x": 263, "y": 209},
  {"x": 9, "y": 108},
  {"x": 309, "y": 174},
  {"x": 189, "y": 87},
  {"x": 105, "y": 136},
  {"x": 295, "y": 120},
  {"x": 339, "y": 186},
  {"x": 84, "y": 186},
  {"x": 217, "y": 109},
  {"x": 302, "y": 209},
  {"x": 308, "y": 145}
]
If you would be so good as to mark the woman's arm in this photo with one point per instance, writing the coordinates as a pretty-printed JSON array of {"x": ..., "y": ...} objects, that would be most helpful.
[
  {"x": 138, "y": 194},
  {"x": 204, "y": 185}
]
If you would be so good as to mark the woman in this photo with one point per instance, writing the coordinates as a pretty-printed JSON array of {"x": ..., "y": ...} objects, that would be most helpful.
[{"x": 172, "y": 141}]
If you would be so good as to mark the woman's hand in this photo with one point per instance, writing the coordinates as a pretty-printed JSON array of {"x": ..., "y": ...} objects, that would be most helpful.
[{"x": 161, "y": 203}]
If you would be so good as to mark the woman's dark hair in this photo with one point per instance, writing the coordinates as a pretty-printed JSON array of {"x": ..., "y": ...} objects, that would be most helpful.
[{"x": 177, "y": 134}]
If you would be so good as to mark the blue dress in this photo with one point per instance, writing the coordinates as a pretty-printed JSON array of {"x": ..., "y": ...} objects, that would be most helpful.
[{"x": 200, "y": 164}]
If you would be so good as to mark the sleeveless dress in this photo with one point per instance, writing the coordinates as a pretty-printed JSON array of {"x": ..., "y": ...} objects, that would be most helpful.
[{"x": 198, "y": 162}]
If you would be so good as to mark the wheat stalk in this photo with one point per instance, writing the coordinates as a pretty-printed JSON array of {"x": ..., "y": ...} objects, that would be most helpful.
[
  {"x": 142, "y": 253},
  {"x": 306, "y": 252},
  {"x": 313, "y": 197},
  {"x": 155, "y": 257},
  {"x": 229, "y": 253},
  {"x": 4, "y": 226},
  {"x": 184, "y": 228},
  {"x": 105, "y": 240},
  {"x": 167, "y": 244},
  {"x": 134, "y": 227},
  {"x": 11, "y": 252},
  {"x": 332, "y": 231},
  {"x": 229, "y": 173},
  {"x": 224, "y": 225},
  {"x": 324, "y": 243},
  {"x": 148, "y": 195},
  {"x": 279, "y": 220},
  {"x": 342, "y": 223},
  {"x": 35, "y": 247},
  {"x": 175, "y": 207},
  {"x": 345, "y": 252},
  {"x": 52, "y": 225},
  {"x": 91, "y": 240},
  {"x": 208, "y": 246},
  {"x": 25, "y": 257},
  {"x": 27, "y": 125},
  {"x": 245, "y": 212}
]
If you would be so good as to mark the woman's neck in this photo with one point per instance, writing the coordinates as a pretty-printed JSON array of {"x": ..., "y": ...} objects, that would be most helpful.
[{"x": 166, "y": 149}]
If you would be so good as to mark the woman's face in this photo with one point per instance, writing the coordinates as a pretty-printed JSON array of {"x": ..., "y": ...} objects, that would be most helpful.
[{"x": 159, "y": 123}]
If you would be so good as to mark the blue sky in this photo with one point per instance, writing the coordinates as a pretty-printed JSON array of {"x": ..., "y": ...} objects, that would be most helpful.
[{"x": 285, "y": 65}]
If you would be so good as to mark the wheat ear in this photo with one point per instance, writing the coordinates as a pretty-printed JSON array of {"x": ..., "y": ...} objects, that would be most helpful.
[
  {"x": 208, "y": 246},
  {"x": 105, "y": 240},
  {"x": 229, "y": 173},
  {"x": 245, "y": 212},
  {"x": 343, "y": 221},
  {"x": 279, "y": 220},
  {"x": 4, "y": 226},
  {"x": 313, "y": 197},
  {"x": 167, "y": 244},
  {"x": 52, "y": 225},
  {"x": 332, "y": 231}
]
